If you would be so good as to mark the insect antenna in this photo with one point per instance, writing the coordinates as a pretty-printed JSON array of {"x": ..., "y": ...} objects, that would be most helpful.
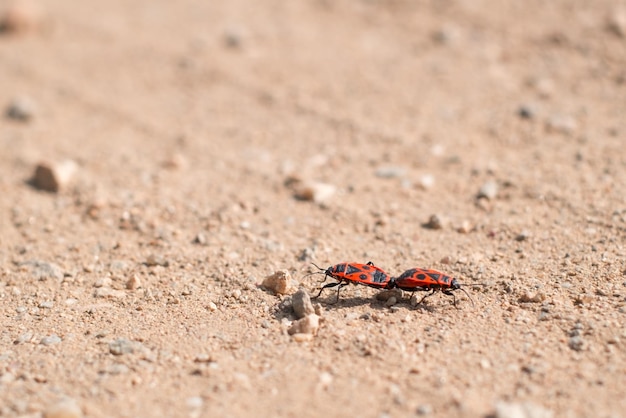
[
  {"x": 321, "y": 271},
  {"x": 318, "y": 267},
  {"x": 468, "y": 295}
]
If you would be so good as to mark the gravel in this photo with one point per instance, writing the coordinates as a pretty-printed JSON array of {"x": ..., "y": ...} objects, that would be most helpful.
[
  {"x": 307, "y": 325},
  {"x": 301, "y": 304},
  {"x": 51, "y": 340}
]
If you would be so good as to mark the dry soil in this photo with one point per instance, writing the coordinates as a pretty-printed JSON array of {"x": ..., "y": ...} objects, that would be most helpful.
[{"x": 219, "y": 142}]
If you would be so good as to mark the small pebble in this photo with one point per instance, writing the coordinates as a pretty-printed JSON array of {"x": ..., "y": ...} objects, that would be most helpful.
[
  {"x": 299, "y": 338},
  {"x": 426, "y": 182},
  {"x": 576, "y": 343},
  {"x": 22, "y": 109},
  {"x": 583, "y": 299},
  {"x": 42, "y": 270},
  {"x": 121, "y": 346},
  {"x": 391, "y": 301},
  {"x": 21, "y": 17},
  {"x": 54, "y": 176},
  {"x": 200, "y": 239},
  {"x": 533, "y": 297},
  {"x": 51, "y": 340},
  {"x": 435, "y": 222},
  {"x": 278, "y": 282},
  {"x": 117, "y": 369},
  {"x": 46, "y": 305},
  {"x": 64, "y": 409},
  {"x": 563, "y": 124},
  {"x": 325, "y": 380},
  {"x": 424, "y": 409},
  {"x": 156, "y": 260},
  {"x": 447, "y": 34},
  {"x": 233, "y": 38},
  {"x": 307, "y": 325},
  {"x": 544, "y": 87},
  {"x": 522, "y": 236},
  {"x": 134, "y": 282},
  {"x": 488, "y": 190},
  {"x": 301, "y": 304},
  {"x": 103, "y": 282},
  {"x": 195, "y": 402},
  {"x": 526, "y": 111},
  {"x": 521, "y": 410},
  {"x": 204, "y": 358},
  {"x": 314, "y": 191},
  {"x": 390, "y": 172},
  {"x": 108, "y": 293},
  {"x": 616, "y": 22},
  {"x": 465, "y": 228},
  {"x": 175, "y": 162},
  {"x": 24, "y": 338},
  {"x": 484, "y": 204},
  {"x": 385, "y": 295}
]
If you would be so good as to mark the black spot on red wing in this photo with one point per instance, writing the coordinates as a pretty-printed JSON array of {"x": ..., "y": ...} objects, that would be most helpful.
[
  {"x": 350, "y": 269},
  {"x": 366, "y": 267},
  {"x": 363, "y": 277},
  {"x": 406, "y": 275},
  {"x": 421, "y": 276},
  {"x": 435, "y": 276},
  {"x": 380, "y": 277}
]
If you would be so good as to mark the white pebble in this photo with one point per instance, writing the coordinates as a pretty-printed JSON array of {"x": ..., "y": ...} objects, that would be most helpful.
[
  {"x": 195, "y": 402},
  {"x": 521, "y": 410},
  {"x": 488, "y": 190},
  {"x": 64, "y": 409},
  {"x": 51, "y": 340},
  {"x": 315, "y": 191},
  {"x": 54, "y": 176},
  {"x": 426, "y": 182}
]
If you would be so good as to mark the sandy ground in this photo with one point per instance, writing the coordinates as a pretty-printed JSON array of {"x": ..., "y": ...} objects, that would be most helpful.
[{"x": 133, "y": 290}]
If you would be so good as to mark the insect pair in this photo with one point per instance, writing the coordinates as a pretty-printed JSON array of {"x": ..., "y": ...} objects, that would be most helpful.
[{"x": 412, "y": 280}]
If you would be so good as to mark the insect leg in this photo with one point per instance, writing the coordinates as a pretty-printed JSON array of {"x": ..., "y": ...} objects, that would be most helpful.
[
  {"x": 339, "y": 288},
  {"x": 430, "y": 294},
  {"x": 326, "y": 287}
]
